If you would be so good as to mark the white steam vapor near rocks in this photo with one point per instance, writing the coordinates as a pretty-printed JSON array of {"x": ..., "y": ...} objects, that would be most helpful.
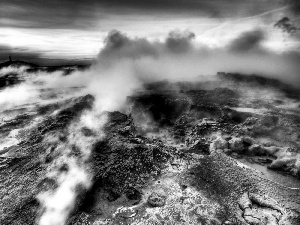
[
  {"x": 21, "y": 94},
  {"x": 122, "y": 66},
  {"x": 179, "y": 58},
  {"x": 10, "y": 69},
  {"x": 58, "y": 205},
  {"x": 125, "y": 63},
  {"x": 75, "y": 177}
]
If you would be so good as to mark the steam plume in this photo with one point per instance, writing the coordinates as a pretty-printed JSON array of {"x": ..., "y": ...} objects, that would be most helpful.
[{"x": 122, "y": 66}]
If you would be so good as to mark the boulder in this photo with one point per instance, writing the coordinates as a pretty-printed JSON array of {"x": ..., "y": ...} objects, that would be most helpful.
[
  {"x": 157, "y": 199},
  {"x": 248, "y": 141},
  {"x": 219, "y": 143},
  {"x": 236, "y": 144},
  {"x": 254, "y": 149}
]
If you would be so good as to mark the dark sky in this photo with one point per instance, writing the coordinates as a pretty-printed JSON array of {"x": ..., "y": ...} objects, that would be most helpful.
[
  {"x": 23, "y": 22},
  {"x": 82, "y": 13}
]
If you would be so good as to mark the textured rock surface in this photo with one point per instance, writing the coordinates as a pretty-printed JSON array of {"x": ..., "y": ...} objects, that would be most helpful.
[
  {"x": 171, "y": 160},
  {"x": 157, "y": 199}
]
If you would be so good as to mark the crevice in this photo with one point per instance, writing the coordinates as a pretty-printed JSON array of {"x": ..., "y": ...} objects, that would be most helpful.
[{"x": 253, "y": 208}]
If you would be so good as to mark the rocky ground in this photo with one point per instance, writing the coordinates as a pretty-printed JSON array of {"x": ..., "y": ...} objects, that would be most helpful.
[{"x": 181, "y": 153}]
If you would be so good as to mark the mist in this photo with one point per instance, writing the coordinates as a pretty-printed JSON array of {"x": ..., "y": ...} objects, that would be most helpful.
[
  {"x": 56, "y": 206},
  {"x": 125, "y": 63},
  {"x": 180, "y": 58},
  {"x": 122, "y": 66},
  {"x": 10, "y": 69}
]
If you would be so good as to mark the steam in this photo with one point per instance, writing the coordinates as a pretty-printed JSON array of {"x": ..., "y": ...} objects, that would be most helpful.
[
  {"x": 19, "y": 95},
  {"x": 76, "y": 177},
  {"x": 123, "y": 66},
  {"x": 286, "y": 26},
  {"x": 13, "y": 70},
  {"x": 125, "y": 63},
  {"x": 58, "y": 205},
  {"x": 248, "y": 41},
  {"x": 179, "y": 42},
  {"x": 178, "y": 57}
]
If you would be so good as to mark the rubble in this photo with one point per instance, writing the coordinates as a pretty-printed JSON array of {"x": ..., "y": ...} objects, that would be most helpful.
[
  {"x": 236, "y": 144},
  {"x": 157, "y": 199},
  {"x": 142, "y": 179}
]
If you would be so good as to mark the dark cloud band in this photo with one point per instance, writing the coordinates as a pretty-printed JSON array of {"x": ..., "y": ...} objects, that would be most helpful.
[{"x": 84, "y": 14}]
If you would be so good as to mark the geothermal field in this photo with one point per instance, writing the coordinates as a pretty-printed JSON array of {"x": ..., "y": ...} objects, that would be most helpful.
[{"x": 164, "y": 123}]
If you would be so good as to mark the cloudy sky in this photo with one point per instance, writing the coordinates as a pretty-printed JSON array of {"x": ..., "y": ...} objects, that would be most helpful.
[{"x": 45, "y": 30}]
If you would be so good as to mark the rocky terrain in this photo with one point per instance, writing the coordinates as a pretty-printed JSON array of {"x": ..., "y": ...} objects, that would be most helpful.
[{"x": 221, "y": 150}]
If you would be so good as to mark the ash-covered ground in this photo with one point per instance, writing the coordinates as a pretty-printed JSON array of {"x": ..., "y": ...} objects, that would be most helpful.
[{"x": 221, "y": 149}]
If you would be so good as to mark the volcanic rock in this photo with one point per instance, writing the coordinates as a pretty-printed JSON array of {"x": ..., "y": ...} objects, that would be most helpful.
[
  {"x": 236, "y": 144},
  {"x": 157, "y": 199}
]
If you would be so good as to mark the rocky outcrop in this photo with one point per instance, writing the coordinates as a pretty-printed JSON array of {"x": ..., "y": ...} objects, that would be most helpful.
[
  {"x": 157, "y": 199},
  {"x": 282, "y": 158},
  {"x": 136, "y": 178},
  {"x": 24, "y": 167},
  {"x": 245, "y": 196},
  {"x": 120, "y": 164},
  {"x": 260, "y": 210},
  {"x": 236, "y": 144}
]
